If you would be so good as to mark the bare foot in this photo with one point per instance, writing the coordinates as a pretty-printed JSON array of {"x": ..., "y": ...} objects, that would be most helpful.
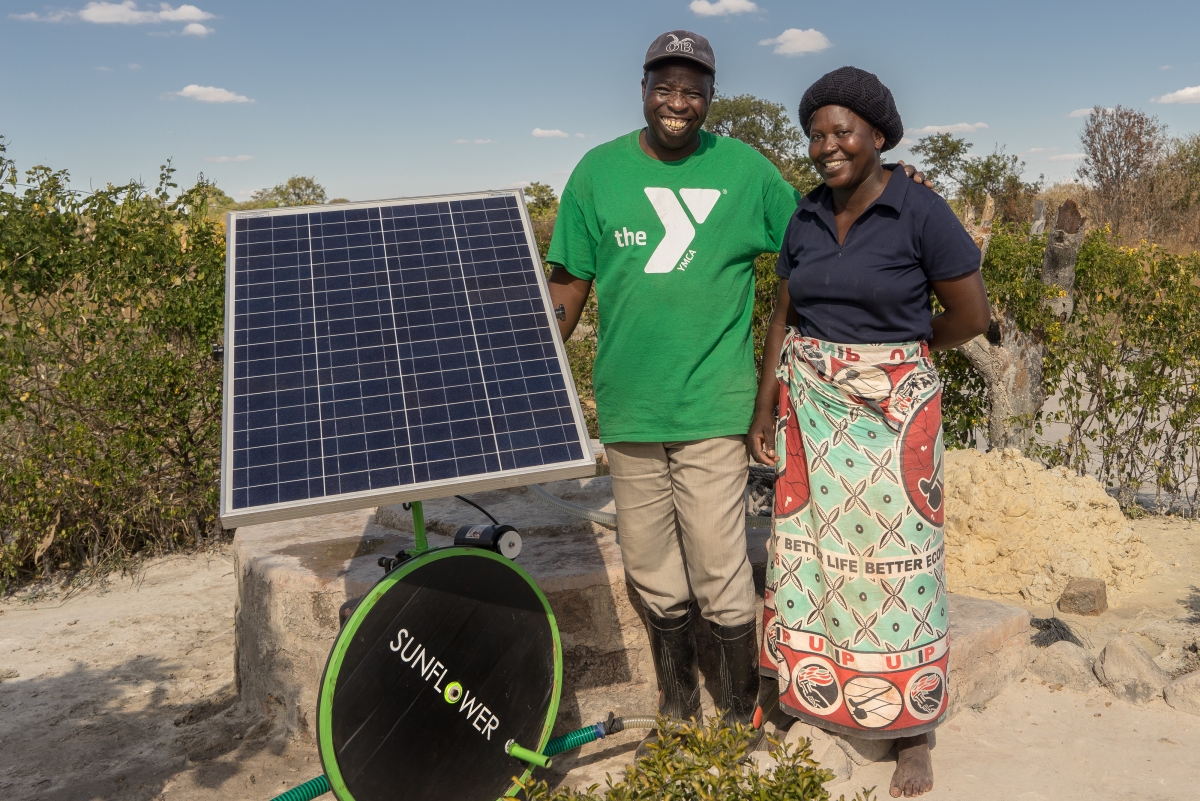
[{"x": 914, "y": 768}]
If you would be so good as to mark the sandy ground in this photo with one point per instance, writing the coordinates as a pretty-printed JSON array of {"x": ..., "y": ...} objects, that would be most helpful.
[{"x": 126, "y": 692}]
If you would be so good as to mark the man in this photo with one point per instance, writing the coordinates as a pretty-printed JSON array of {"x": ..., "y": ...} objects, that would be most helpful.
[{"x": 666, "y": 223}]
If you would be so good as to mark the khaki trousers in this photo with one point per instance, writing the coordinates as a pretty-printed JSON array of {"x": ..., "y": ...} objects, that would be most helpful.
[{"x": 681, "y": 519}]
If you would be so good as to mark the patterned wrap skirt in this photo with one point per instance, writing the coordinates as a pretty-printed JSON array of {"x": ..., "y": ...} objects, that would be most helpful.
[{"x": 856, "y": 618}]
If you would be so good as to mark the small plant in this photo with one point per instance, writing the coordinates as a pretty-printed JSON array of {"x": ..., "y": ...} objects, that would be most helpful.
[{"x": 708, "y": 760}]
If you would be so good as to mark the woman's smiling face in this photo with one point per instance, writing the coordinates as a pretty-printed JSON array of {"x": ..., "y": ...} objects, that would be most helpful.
[{"x": 843, "y": 146}]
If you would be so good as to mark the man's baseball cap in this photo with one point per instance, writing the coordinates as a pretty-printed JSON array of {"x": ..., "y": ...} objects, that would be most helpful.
[{"x": 682, "y": 44}]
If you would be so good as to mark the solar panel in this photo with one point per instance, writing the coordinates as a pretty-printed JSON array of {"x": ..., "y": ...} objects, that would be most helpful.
[{"x": 390, "y": 351}]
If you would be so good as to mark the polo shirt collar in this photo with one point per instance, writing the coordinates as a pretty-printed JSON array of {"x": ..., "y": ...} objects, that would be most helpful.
[
  {"x": 896, "y": 189},
  {"x": 821, "y": 200}
]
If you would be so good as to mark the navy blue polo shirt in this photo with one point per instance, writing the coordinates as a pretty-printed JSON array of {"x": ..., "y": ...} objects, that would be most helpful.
[{"x": 873, "y": 288}]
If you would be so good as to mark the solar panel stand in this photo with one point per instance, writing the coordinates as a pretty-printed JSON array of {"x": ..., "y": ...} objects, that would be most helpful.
[{"x": 420, "y": 544}]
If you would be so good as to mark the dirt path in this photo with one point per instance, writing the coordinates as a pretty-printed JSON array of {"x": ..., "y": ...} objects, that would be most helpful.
[{"x": 126, "y": 692}]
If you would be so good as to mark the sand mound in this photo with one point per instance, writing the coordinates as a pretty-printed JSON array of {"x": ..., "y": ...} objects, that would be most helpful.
[{"x": 1015, "y": 528}]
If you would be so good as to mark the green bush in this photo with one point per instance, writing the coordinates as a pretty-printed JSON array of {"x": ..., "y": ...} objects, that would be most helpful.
[
  {"x": 1125, "y": 368},
  {"x": 109, "y": 398},
  {"x": 1128, "y": 373},
  {"x": 702, "y": 761}
]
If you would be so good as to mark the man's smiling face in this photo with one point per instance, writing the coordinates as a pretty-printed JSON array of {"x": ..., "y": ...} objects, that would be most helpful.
[{"x": 675, "y": 98}]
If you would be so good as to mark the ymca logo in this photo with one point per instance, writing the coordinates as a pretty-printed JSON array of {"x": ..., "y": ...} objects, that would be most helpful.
[
  {"x": 677, "y": 45},
  {"x": 673, "y": 251}
]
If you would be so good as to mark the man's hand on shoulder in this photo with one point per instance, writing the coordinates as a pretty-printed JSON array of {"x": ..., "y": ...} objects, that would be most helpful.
[{"x": 912, "y": 172}]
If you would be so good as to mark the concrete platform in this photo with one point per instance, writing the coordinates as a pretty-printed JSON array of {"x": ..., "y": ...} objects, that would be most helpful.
[{"x": 294, "y": 576}]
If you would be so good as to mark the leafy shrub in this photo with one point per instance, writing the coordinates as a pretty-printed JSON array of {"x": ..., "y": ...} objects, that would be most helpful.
[
  {"x": 109, "y": 398},
  {"x": 1125, "y": 368},
  {"x": 706, "y": 762},
  {"x": 1128, "y": 374}
]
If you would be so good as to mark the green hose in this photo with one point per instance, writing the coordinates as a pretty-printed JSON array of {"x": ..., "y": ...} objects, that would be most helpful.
[
  {"x": 597, "y": 731},
  {"x": 570, "y": 740},
  {"x": 307, "y": 791}
]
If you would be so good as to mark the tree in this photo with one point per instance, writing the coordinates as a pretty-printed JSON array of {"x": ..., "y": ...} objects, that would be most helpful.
[
  {"x": 1028, "y": 311},
  {"x": 943, "y": 154},
  {"x": 299, "y": 190},
  {"x": 767, "y": 128},
  {"x": 973, "y": 178},
  {"x": 1120, "y": 148},
  {"x": 1165, "y": 196},
  {"x": 541, "y": 201},
  {"x": 999, "y": 175}
]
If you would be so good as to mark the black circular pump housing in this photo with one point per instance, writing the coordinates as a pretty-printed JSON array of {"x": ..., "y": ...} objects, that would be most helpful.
[{"x": 447, "y": 659}]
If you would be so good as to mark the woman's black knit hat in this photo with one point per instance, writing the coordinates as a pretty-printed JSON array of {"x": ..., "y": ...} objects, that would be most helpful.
[{"x": 862, "y": 93}]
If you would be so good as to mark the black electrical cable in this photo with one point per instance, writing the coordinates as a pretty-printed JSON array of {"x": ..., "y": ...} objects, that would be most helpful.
[{"x": 480, "y": 508}]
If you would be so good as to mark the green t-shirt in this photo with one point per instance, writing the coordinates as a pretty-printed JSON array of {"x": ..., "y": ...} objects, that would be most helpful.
[{"x": 670, "y": 246}]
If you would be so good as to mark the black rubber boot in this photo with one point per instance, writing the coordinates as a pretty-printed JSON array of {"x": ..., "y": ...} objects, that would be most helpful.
[
  {"x": 673, "y": 647},
  {"x": 738, "y": 647}
]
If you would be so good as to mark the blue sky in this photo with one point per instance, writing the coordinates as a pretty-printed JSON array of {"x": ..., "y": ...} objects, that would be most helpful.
[{"x": 391, "y": 99}]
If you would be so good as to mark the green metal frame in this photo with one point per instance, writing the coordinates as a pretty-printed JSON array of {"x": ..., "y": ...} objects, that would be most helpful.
[
  {"x": 420, "y": 544},
  {"x": 422, "y": 555}
]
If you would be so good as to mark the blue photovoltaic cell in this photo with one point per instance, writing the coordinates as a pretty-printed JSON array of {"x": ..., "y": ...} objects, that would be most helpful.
[{"x": 388, "y": 346}]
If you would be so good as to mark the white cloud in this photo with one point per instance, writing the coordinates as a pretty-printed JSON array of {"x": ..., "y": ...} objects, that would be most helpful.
[
  {"x": 128, "y": 13},
  {"x": 1066, "y": 157},
  {"x": 134, "y": 67},
  {"x": 1083, "y": 112},
  {"x": 1189, "y": 95},
  {"x": 906, "y": 142},
  {"x": 958, "y": 127},
  {"x": 554, "y": 133},
  {"x": 211, "y": 94},
  {"x": 103, "y": 69},
  {"x": 519, "y": 185},
  {"x": 795, "y": 42},
  {"x": 1035, "y": 150},
  {"x": 32, "y": 16},
  {"x": 1166, "y": 67},
  {"x": 223, "y": 159},
  {"x": 580, "y": 136},
  {"x": 474, "y": 141},
  {"x": 722, "y": 7}
]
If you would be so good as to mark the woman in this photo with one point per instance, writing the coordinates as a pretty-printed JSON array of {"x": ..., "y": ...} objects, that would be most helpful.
[{"x": 856, "y": 610}]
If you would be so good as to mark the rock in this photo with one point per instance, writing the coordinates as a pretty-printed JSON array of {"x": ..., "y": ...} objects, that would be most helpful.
[
  {"x": 989, "y": 649},
  {"x": 825, "y": 749},
  {"x": 1128, "y": 671},
  {"x": 1184, "y": 693},
  {"x": 1084, "y": 596},
  {"x": 862, "y": 751},
  {"x": 1067, "y": 664}
]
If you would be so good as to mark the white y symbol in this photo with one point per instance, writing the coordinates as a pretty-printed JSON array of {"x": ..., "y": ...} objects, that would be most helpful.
[{"x": 679, "y": 230}]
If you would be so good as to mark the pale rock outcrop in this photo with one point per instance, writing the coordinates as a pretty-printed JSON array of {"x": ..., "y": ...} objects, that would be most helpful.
[
  {"x": 1128, "y": 671},
  {"x": 1184, "y": 693},
  {"x": 1067, "y": 664},
  {"x": 1015, "y": 528}
]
